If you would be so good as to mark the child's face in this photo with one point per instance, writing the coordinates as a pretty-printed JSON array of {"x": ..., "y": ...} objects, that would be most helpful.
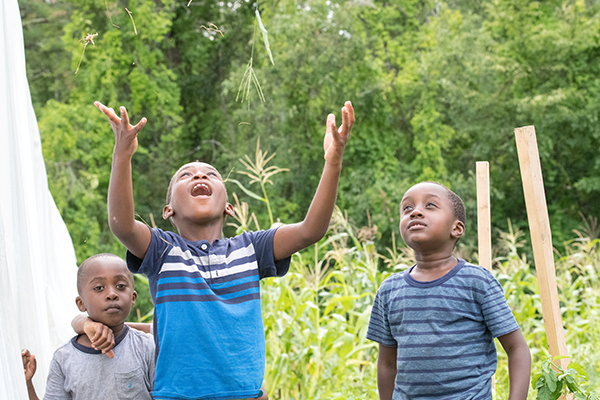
[
  {"x": 198, "y": 195},
  {"x": 107, "y": 291},
  {"x": 427, "y": 218}
]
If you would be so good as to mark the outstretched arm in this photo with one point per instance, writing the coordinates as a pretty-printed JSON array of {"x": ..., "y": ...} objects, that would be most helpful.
[
  {"x": 292, "y": 238},
  {"x": 29, "y": 366},
  {"x": 519, "y": 364},
  {"x": 121, "y": 215},
  {"x": 386, "y": 371}
]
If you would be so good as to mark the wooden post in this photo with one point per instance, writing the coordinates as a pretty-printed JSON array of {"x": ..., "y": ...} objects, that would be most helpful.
[
  {"x": 541, "y": 239},
  {"x": 484, "y": 223},
  {"x": 484, "y": 227}
]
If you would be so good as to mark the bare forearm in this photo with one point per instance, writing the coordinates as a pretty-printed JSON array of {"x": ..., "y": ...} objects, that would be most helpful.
[
  {"x": 319, "y": 213},
  {"x": 292, "y": 238},
  {"x": 519, "y": 370},
  {"x": 121, "y": 212},
  {"x": 385, "y": 382},
  {"x": 519, "y": 364},
  {"x": 386, "y": 371},
  {"x": 78, "y": 323},
  {"x": 147, "y": 328},
  {"x": 31, "y": 391}
]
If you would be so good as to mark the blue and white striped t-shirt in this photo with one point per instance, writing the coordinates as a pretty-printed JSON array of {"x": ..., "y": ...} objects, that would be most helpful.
[
  {"x": 444, "y": 332},
  {"x": 208, "y": 327}
]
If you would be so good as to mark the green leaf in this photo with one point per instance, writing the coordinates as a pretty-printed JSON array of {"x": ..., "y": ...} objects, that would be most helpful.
[
  {"x": 248, "y": 192},
  {"x": 265, "y": 36},
  {"x": 579, "y": 368}
]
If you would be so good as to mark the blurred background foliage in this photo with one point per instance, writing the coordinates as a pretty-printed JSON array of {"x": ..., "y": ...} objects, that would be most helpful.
[{"x": 436, "y": 85}]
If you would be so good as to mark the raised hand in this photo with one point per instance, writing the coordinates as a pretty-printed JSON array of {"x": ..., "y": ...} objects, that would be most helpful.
[
  {"x": 335, "y": 139},
  {"x": 101, "y": 336},
  {"x": 29, "y": 364},
  {"x": 125, "y": 134}
]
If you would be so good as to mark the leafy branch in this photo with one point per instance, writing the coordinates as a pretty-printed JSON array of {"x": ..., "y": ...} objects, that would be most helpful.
[{"x": 555, "y": 381}]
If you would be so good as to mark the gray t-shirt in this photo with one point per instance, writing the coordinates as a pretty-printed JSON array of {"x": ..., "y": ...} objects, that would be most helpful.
[{"x": 80, "y": 372}]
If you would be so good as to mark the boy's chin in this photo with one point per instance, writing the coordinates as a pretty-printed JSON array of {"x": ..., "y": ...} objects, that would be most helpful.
[{"x": 112, "y": 321}]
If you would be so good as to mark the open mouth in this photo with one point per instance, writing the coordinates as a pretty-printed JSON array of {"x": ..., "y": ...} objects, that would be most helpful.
[
  {"x": 201, "y": 189},
  {"x": 416, "y": 225}
]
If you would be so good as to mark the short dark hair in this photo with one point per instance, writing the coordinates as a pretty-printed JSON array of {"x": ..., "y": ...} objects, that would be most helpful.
[
  {"x": 457, "y": 204},
  {"x": 82, "y": 270}
]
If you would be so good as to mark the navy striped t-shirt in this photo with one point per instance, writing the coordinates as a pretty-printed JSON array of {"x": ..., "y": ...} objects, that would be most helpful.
[
  {"x": 208, "y": 328},
  {"x": 444, "y": 332}
]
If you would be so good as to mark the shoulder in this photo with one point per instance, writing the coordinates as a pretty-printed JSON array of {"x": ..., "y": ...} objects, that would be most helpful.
[
  {"x": 141, "y": 339},
  {"x": 64, "y": 350},
  {"x": 248, "y": 236},
  {"x": 258, "y": 239},
  {"x": 392, "y": 282},
  {"x": 166, "y": 237},
  {"x": 475, "y": 274}
]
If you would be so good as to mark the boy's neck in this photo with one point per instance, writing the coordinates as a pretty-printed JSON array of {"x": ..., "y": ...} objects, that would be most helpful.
[
  {"x": 195, "y": 232},
  {"x": 431, "y": 267}
]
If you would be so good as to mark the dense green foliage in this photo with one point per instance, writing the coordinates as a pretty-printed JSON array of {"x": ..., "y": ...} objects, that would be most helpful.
[{"x": 436, "y": 86}]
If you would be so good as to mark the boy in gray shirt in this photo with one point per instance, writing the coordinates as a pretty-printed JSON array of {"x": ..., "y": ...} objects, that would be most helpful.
[{"x": 79, "y": 368}]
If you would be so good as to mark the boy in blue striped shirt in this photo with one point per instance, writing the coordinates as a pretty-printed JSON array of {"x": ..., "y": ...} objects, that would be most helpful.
[
  {"x": 208, "y": 328},
  {"x": 436, "y": 322}
]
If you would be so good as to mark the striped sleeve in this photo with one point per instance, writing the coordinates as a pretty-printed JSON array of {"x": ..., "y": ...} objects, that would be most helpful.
[
  {"x": 496, "y": 313},
  {"x": 160, "y": 243},
  {"x": 379, "y": 327},
  {"x": 263, "y": 246}
]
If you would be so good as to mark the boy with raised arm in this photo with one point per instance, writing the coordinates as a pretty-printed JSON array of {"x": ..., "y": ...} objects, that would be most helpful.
[
  {"x": 436, "y": 322},
  {"x": 207, "y": 323}
]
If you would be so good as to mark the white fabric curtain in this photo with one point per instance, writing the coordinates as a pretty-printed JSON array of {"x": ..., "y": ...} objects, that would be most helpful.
[{"x": 37, "y": 261}]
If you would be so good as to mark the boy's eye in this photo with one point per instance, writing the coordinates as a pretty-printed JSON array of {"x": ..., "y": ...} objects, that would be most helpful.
[
  {"x": 407, "y": 208},
  {"x": 431, "y": 205},
  {"x": 97, "y": 288},
  {"x": 121, "y": 286},
  {"x": 183, "y": 174}
]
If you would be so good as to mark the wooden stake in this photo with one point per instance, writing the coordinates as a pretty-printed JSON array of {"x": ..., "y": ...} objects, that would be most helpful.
[
  {"x": 541, "y": 239},
  {"x": 484, "y": 226},
  {"x": 484, "y": 223}
]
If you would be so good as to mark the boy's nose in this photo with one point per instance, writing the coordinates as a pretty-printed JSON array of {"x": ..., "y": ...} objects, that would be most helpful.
[
  {"x": 416, "y": 213},
  {"x": 200, "y": 175},
  {"x": 112, "y": 295}
]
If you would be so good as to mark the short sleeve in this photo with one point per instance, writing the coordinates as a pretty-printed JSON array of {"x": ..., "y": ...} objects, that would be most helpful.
[
  {"x": 379, "y": 327},
  {"x": 496, "y": 312},
  {"x": 263, "y": 248},
  {"x": 160, "y": 243},
  {"x": 55, "y": 384}
]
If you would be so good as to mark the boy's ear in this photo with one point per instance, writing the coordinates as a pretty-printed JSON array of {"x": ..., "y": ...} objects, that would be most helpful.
[
  {"x": 458, "y": 229},
  {"x": 167, "y": 211},
  {"x": 80, "y": 304},
  {"x": 133, "y": 298},
  {"x": 229, "y": 210}
]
